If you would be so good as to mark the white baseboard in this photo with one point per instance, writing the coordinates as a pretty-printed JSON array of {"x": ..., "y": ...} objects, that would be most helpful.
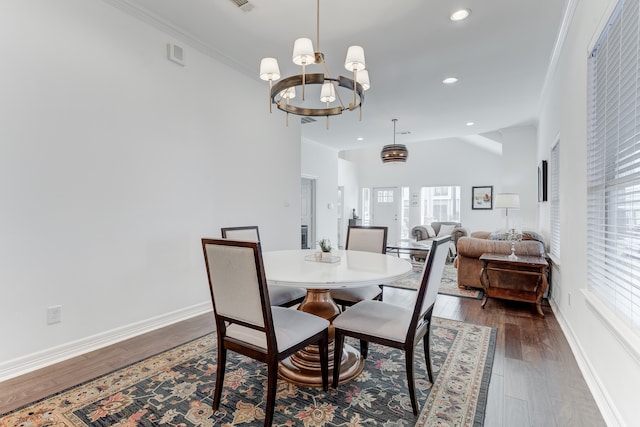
[
  {"x": 42, "y": 359},
  {"x": 606, "y": 405}
]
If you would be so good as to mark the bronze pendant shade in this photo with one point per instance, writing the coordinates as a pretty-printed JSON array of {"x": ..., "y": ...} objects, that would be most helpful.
[{"x": 394, "y": 153}]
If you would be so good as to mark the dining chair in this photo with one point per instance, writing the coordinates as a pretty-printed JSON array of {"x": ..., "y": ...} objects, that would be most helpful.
[
  {"x": 246, "y": 323},
  {"x": 283, "y": 296},
  {"x": 366, "y": 239},
  {"x": 393, "y": 325}
]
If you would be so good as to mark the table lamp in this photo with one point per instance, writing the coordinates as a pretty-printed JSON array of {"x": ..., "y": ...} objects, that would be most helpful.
[{"x": 507, "y": 201}]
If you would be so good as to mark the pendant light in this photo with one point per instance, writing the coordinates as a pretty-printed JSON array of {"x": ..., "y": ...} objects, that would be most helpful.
[{"x": 394, "y": 153}]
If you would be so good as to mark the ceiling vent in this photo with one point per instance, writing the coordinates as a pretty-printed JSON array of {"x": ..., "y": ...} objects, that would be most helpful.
[
  {"x": 244, "y": 5},
  {"x": 307, "y": 119}
]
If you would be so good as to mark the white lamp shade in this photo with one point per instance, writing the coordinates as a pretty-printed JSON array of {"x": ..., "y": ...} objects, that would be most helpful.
[
  {"x": 303, "y": 52},
  {"x": 269, "y": 69},
  {"x": 288, "y": 93},
  {"x": 363, "y": 79},
  {"x": 507, "y": 200},
  {"x": 355, "y": 59},
  {"x": 328, "y": 93}
]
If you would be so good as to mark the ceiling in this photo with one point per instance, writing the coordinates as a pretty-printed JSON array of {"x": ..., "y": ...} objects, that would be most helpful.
[{"x": 500, "y": 54}]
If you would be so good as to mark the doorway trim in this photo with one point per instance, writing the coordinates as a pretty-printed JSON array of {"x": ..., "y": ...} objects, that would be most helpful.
[{"x": 308, "y": 219}]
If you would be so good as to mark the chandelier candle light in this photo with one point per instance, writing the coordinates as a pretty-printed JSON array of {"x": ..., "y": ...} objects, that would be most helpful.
[
  {"x": 282, "y": 93},
  {"x": 394, "y": 153}
]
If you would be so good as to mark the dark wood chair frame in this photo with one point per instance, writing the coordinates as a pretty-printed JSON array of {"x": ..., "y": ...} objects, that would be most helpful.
[
  {"x": 272, "y": 356},
  {"x": 223, "y": 230},
  {"x": 419, "y": 328}
]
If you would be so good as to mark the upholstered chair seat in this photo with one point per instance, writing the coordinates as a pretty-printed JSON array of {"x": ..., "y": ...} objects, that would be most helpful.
[
  {"x": 387, "y": 321},
  {"x": 291, "y": 327},
  {"x": 354, "y": 295},
  {"x": 285, "y": 296}
]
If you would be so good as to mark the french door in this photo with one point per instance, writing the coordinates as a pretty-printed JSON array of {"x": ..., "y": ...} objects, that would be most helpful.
[{"x": 385, "y": 211}]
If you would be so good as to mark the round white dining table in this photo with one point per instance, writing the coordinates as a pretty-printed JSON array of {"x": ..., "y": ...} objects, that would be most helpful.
[
  {"x": 353, "y": 269},
  {"x": 300, "y": 268}
]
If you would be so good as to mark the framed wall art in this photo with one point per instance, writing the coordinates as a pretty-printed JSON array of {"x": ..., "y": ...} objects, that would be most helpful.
[
  {"x": 482, "y": 197},
  {"x": 542, "y": 181}
]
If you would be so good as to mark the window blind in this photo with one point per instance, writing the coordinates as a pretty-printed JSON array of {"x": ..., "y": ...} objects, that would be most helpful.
[
  {"x": 554, "y": 199},
  {"x": 613, "y": 165}
]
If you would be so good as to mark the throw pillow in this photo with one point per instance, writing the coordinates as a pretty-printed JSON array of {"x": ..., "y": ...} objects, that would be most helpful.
[
  {"x": 445, "y": 230},
  {"x": 430, "y": 231},
  {"x": 532, "y": 235},
  {"x": 526, "y": 235},
  {"x": 498, "y": 236}
]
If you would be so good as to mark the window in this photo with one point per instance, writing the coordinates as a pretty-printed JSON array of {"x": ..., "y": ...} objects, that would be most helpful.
[
  {"x": 440, "y": 204},
  {"x": 613, "y": 165},
  {"x": 404, "y": 213},
  {"x": 554, "y": 199},
  {"x": 366, "y": 206},
  {"x": 385, "y": 196}
]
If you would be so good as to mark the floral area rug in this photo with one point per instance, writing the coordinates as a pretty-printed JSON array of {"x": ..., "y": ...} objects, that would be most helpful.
[
  {"x": 448, "y": 285},
  {"x": 175, "y": 388}
]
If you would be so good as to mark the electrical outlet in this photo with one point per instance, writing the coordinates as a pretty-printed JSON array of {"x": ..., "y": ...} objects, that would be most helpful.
[{"x": 54, "y": 314}]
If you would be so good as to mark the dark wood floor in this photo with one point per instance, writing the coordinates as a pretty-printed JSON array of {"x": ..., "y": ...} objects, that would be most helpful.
[{"x": 535, "y": 379}]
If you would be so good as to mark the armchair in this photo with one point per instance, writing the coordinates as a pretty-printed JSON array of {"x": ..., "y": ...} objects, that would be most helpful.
[{"x": 426, "y": 233}]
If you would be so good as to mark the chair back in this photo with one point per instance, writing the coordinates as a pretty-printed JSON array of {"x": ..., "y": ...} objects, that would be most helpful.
[
  {"x": 248, "y": 233},
  {"x": 237, "y": 283},
  {"x": 367, "y": 239},
  {"x": 430, "y": 282}
]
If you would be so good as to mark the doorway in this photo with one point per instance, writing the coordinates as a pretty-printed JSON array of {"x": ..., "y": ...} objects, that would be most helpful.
[
  {"x": 340, "y": 211},
  {"x": 307, "y": 213},
  {"x": 385, "y": 210}
]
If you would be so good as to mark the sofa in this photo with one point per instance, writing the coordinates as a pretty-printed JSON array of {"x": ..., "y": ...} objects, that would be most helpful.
[
  {"x": 470, "y": 248},
  {"x": 425, "y": 233}
]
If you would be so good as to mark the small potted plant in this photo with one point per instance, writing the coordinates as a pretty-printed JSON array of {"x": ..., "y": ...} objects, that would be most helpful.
[{"x": 325, "y": 247}]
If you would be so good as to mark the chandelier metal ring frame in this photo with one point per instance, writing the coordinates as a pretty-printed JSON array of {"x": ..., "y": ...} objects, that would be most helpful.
[{"x": 318, "y": 78}]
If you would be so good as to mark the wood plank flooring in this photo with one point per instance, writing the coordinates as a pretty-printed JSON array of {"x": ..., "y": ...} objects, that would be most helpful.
[{"x": 535, "y": 379}]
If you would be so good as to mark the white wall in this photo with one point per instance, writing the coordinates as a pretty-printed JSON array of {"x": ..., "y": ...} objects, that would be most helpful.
[
  {"x": 610, "y": 369},
  {"x": 321, "y": 163},
  {"x": 348, "y": 179},
  {"x": 456, "y": 162},
  {"x": 114, "y": 163},
  {"x": 520, "y": 173}
]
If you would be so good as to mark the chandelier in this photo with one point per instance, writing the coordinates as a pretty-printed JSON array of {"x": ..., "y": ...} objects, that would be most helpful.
[
  {"x": 394, "y": 153},
  {"x": 283, "y": 92}
]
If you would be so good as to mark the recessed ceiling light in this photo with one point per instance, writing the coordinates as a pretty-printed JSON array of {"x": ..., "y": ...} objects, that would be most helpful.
[
  {"x": 460, "y": 15},
  {"x": 360, "y": 138},
  {"x": 470, "y": 123},
  {"x": 450, "y": 80}
]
